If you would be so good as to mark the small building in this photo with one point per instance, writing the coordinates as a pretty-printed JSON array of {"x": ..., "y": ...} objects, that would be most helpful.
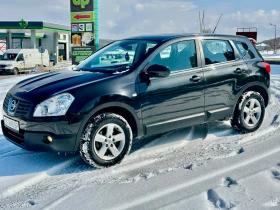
[{"x": 33, "y": 34}]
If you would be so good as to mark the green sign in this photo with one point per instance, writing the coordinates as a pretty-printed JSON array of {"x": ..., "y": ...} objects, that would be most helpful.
[
  {"x": 23, "y": 23},
  {"x": 82, "y": 26},
  {"x": 81, "y": 5},
  {"x": 81, "y": 53}
]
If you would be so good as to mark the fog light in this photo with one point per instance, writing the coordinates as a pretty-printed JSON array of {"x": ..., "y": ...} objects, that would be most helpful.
[{"x": 49, "y": 139}]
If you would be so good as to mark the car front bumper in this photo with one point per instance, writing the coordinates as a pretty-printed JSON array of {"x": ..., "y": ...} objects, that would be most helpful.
[
  {"x": 34, "y": 136},
  {"x": 6, "y": 69}
]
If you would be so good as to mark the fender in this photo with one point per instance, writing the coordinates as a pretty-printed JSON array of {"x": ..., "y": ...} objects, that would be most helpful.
[
  {"x": 97, "y": 108},
  {"x": 247, "y": 86}
]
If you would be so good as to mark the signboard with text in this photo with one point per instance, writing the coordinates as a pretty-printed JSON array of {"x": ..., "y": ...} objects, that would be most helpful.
[{"x": 82, "y": 26}]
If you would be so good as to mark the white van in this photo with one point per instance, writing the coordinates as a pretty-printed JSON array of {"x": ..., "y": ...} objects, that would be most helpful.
[{"x": 20, "y": 60}]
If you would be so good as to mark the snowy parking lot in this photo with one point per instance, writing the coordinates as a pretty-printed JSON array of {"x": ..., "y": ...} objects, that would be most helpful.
[{"x": 209, "y": 166}]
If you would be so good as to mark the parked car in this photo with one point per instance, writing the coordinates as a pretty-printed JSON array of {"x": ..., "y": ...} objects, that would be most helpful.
[
  {"x": 15, "y": 61},
  {"x": 165, "y": 82}
]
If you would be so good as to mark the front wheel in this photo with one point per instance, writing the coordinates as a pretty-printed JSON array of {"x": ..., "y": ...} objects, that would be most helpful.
[
  {"x": 15, "y": 71},
  {"x": 106, "y": 140},
  {"x": 249, "y": 112}
]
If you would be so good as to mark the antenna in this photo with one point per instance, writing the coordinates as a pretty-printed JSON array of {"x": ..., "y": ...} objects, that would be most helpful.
[{"x": 217, "y": 23}]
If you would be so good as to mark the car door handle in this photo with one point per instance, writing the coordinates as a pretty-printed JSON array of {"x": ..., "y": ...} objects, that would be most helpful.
[
  {"x": 239, "y": 71},
  {"x": 195, "y": 78}
]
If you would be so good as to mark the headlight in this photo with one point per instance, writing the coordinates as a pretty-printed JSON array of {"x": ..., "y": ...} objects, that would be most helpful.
[
  {"x": 8, "y": 65},
  {"x": 55, "y": 106}
]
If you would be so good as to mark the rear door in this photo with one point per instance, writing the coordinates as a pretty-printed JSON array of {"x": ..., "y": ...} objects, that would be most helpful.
[
  {"x": 178, "y": 100},
  {"x": 224, "y": 70}
]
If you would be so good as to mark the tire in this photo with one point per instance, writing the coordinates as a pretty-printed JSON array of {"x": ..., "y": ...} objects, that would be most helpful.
[
  {"x": 106, "y": 140},
  {"x": 249, "y": 113},
  {"x": 15, "y": 71}
]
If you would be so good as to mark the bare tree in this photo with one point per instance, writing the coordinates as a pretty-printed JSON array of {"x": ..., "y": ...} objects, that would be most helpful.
[{"x": 270, "y": 44}]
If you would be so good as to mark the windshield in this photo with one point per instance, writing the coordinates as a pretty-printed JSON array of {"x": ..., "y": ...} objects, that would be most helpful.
[
  {"x": 9, "y": 56},
  {"x": 118, "y": 56}
]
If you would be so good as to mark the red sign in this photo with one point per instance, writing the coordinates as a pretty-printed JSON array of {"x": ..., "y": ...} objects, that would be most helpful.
[
  {"x": 252, "y": 35},
  {"x": 248, "y": 32}
]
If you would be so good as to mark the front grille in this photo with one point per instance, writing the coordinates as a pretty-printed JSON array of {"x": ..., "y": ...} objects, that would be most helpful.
[
  {"x": 22, "y": 107},
  {"x": 14, "y": 136},
  {"x": 3, "y": 66},
  {"x": 6, "y": 102}
]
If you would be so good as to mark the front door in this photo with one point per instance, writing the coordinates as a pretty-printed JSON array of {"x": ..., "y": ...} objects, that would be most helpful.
[{"x": 178, "y": 100}]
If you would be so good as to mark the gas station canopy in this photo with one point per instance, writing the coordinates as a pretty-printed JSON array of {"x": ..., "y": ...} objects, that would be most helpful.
[
  {"x": 25, "y": 27},
  {"x": 34, "y": 30}
]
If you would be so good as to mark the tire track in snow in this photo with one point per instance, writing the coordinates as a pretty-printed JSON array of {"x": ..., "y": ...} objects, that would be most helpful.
[
  {"x": 135, "y": 164},
  {"x": 35, "y": 179},
  {"x": 170, "y": 190},
  {"x": 217, "y": 202}
]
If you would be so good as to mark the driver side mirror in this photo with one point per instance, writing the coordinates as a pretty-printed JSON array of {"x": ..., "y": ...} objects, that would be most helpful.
[
  {"x": 158, "y": 71},
  {"x": 20, "y": 59}
]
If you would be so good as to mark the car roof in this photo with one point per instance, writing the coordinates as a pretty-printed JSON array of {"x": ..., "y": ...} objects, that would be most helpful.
[{"x": 166, "y": 37}]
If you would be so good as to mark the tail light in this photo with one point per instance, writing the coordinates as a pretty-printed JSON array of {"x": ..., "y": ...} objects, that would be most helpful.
[{"x": 266, "y": 66}]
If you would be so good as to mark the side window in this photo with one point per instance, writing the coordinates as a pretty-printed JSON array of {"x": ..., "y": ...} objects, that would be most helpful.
[
  {"x": 217, "y": 51},
  {"x": 20, "y": 57},
  {"x": 241, "y": 47},
  {"x": 177, "y": 56}
]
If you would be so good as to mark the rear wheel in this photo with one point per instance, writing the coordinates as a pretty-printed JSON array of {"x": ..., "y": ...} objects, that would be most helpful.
[
  {"x": 106, "y": 140},
  {"x": 249, "y": 112}
]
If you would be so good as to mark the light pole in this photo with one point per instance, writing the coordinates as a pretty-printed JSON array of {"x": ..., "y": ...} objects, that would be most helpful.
[{"x": 274, "y": 39}]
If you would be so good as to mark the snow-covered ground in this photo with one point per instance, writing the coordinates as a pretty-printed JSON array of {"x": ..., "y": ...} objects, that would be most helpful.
[
  {"x": 270, "y": 54},
  {"x": 202, "y": 167}
]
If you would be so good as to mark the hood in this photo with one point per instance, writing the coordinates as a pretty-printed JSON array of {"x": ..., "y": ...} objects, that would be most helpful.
[
  {"x": 5, "y": 62},
  {"x": 43, "y": 86}
]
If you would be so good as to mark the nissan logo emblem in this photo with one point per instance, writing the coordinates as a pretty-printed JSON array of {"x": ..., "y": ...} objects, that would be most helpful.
[{"x": 13, "y": 105}]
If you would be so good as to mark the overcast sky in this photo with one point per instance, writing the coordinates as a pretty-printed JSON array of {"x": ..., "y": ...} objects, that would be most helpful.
[{"x": 124, "y": 18}]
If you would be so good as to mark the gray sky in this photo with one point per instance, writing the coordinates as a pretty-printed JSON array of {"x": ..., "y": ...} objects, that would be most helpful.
[{"x": 124, "y": 18}]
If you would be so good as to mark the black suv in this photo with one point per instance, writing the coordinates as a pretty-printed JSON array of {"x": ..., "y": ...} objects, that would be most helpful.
[{"x": 136, "y": 87}]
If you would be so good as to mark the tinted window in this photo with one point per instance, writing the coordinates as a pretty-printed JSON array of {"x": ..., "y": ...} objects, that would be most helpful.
[
  {"x": 217, "y": 51},
  {"x": 177, "y": 56},
  {"x": 241, "y": 47}
]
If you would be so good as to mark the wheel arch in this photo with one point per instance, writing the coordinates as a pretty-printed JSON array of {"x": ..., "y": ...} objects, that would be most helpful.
[
  {"x": 256, "y": 87},
  {"x": 119, "y": 108}
]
